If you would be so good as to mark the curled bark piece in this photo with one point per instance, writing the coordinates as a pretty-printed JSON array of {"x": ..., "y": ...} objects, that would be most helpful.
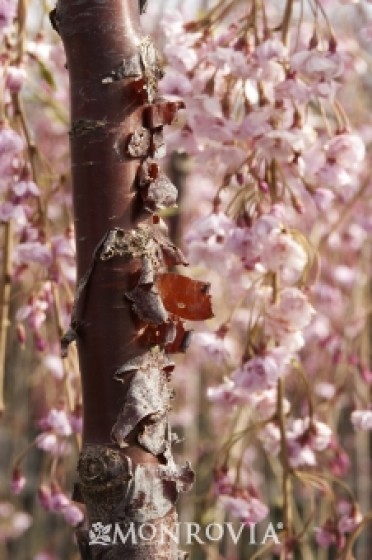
[
  {"x": 182, "y": 339},
  {"x": 184, "y": 297},
  {"x": 147, "y": 304},
  {"x": 158, "y": 335},
  {"x": 172, "y": 336},
  {"x": 160, "y": 194},
  {"x": 148, "y": 395},
  {"x": 172, "y": 255},
  {"x": 161, "y": 112}
]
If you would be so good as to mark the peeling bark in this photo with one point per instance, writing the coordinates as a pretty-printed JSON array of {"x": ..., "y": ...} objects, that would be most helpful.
[{"x": 129, "y": 309}]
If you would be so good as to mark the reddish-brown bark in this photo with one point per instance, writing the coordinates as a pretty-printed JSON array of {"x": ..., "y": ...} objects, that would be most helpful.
[{"x": 129, "y": 309}]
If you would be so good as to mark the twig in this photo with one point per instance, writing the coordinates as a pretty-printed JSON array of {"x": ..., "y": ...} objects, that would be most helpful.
[
  {"x": 286, "y": 480},
  {"x": 286, "y": 21},
  {"x": 5, "y": 300},
  {"x": 347, "y": 555}
]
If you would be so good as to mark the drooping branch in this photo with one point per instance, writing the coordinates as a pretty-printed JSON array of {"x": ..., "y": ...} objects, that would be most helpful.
[{"x": 129, "y": 310}]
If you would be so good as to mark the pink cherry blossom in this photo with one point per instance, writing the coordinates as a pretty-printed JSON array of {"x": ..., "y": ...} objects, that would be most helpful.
[
  {"x": 347, "y": 150},
  {"x": 333, "y": 176},
  {"x": 15, "y": 212},
  {"x": 247, "y": 509},
  {"x": 213, "y": 345},
  {"x": 281, "y": 253},
  {"x": 57, "y": 420},
  {"x": 33, "y": 252},
  {"x": 76, "y": 421},
  {"x": 325, "y": 390},
  {"x": 293, "y": 312},
  {"x": 26, "y": 188},
  {"x": 175, "y": 83},
  {"x": 8, "y": 10},
  {"x": 271, "y": 49},
  {"x": 51, "y": 443},
  {"x": 15, "y": 78},
  {"x": 323, "y": 199},
  {"x": 230, "y": 61},
  {"x": 265, "y": 402},
  {"x": 73, "y": 515},
  {"x": 58, "y": 500},
  {"x": 349, "y": 516},
  {"x": 10, "y": 142},
  {"x": 326, "y": 536},
  {"x": 318, "y": 65},
  {"x": 54, "y": 364},
  {"x": 45, "y": 497},
  {"x": 227, "y": 394},
  {"x": 261, "y": 372},
  {"x": 18, "y": 481},
  {"x": 362, "y": 419}
]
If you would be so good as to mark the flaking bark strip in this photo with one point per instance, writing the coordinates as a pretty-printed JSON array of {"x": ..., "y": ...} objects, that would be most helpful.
[
  {"x": 75, "y": 323},
  {"x": 147, "y": 304},
  {"x": 81, "y": 127},
  {"x": 147, "y": 402},
  {"x": 155, "y": 358},
  {"x": 148, "y": 397}
]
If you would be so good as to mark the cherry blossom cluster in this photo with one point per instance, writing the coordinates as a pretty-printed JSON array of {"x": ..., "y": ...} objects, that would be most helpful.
[{"x": 280, "y": 229}]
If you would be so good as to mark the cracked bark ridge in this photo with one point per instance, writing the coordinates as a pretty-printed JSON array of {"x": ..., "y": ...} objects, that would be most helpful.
[{"x": 129, "y": 309}]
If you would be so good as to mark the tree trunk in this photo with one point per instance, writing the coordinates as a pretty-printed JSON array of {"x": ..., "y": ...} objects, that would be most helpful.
[{"x": 129, "y": 310}]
